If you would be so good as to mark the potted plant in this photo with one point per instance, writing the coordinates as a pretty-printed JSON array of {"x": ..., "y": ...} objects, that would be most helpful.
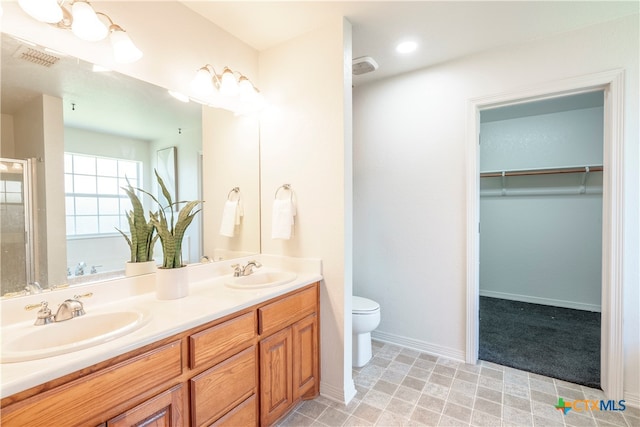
[
  {"x": 141, "y": 238},
  {"x": 171, "y": 278}
]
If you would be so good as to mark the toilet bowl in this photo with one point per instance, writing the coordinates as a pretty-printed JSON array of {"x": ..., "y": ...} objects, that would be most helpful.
[{"x": 365, "y": 317}]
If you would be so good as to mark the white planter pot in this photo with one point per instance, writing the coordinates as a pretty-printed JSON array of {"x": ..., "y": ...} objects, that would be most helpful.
[
  {"x": 172, "y": 283},
  {"x": 138, "y": 268}
]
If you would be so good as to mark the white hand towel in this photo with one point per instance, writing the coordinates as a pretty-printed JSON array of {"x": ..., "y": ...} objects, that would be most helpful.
[
  {"x": 229, "y": 218},
  {"x": 239, "y": 212},
  {"x": 282, "y": 221}
]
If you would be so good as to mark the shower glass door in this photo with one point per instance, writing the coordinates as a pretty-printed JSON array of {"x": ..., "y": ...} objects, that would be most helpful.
[{"x": 16, "y": 249}]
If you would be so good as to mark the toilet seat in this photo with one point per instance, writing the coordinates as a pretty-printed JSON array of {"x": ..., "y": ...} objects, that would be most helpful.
[{"x": 362, "y": 305}]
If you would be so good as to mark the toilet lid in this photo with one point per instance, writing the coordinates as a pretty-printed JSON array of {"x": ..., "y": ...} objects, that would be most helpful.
[{"x": 364, "y": 305}]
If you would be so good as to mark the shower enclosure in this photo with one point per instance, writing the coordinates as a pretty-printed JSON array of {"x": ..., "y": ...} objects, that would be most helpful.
[{"x": 17, "y": 251}]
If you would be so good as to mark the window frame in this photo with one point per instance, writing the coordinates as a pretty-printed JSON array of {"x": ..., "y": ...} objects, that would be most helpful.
[{"x": 123, "y": 203}]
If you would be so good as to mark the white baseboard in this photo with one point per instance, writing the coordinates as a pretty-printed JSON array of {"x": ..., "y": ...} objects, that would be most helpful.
[
  {"x": 425, "y": 347},
  {"x": 337, "y": 394},
  {"x": 543, "y": 301},
  {"x": 632, "y": 399}
]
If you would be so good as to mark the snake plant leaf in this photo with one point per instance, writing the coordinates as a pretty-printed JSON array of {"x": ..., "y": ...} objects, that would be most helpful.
[
  {"x": 140, "y": 230},
  {"x": 171, "y": 231}
]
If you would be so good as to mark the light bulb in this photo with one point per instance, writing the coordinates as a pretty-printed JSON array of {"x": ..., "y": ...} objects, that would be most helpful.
[
  {"x": 42, "y": 10},
  {"x": 124, "y": 51},
  {"x": 86, "y": 24}
]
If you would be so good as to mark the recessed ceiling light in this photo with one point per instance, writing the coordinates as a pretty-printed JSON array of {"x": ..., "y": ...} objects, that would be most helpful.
[{"x": 406, "y": 47}]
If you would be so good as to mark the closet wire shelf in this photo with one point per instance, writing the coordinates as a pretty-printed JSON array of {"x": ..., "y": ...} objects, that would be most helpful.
[
  {"x": 581, "y": 189},
  {"x": 581, "y": 169}
]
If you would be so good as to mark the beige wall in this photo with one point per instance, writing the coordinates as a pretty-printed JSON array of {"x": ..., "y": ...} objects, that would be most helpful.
[
  {"x": 231, "y": 159},
  {"x": 6, "y": 138},
  {"x": 410, "y": 148},
  {"x": 305, "y": 141},
  {"x": 39, "y": 134}
]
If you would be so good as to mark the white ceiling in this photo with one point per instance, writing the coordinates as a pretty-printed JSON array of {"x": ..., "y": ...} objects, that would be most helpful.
[
  {"x": 445, "y": 30},
  {"x": 107, "y": 102}
]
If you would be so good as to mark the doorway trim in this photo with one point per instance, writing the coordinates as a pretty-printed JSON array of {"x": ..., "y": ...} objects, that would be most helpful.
[{"x": 612, "y": 83}]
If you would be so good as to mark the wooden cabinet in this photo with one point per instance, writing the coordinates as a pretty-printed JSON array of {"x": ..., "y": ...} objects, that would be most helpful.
[
  {"x": 245, "y": 414},
  {"x": 164, "y": 410},
  {"x": 276, "y": 373},
  {"x": 220, "y": 389},
  {"x": 94, "y": 398},
  {"x": 289, "y": 358},
  {"x": 305, "y": 357},
  {"x": 247, "y": 369}
]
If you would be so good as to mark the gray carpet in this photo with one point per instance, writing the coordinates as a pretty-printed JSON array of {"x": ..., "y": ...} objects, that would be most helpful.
[{"x": 556, "y": 342}]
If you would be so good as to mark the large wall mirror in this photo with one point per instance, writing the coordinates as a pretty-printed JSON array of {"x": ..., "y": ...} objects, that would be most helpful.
[{"x": 76, "y": 132}]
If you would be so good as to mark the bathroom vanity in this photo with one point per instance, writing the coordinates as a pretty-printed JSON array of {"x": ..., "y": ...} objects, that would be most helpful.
[{"x": 249, "y": 361}]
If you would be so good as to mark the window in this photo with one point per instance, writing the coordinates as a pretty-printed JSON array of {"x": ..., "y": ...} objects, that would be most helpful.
[{"x": 94, "y": 200}]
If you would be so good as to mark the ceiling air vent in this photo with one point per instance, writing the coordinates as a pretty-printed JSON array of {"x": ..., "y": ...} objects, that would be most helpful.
[
  {"x": 363, "y": 65},
  {"x": 36, "y": 56}
]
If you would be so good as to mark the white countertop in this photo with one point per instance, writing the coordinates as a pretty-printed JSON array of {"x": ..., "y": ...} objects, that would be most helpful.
[{"x": 209, "y": 299}]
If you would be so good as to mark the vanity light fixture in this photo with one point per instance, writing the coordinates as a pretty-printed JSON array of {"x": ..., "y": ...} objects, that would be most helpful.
[
  {"x": 230, "y": 90},
  {"x": 85, "y": 23},
  {"x": 43, "y": 10}
]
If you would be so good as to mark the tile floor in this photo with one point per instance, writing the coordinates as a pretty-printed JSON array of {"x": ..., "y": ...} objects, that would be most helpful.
[{"x": 403, "y": 387}]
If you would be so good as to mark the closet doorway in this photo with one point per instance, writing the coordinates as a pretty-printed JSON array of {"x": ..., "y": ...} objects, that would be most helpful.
[
  {"x": 541, "y": 169},
  {"x": 612, "y": 84}
]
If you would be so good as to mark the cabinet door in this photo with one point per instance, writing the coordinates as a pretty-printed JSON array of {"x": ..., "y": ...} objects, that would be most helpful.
[
  {"x": 165, "y": 410},
  {"x": 276, "y": 393},
  {"x": 305, "y": 358}
]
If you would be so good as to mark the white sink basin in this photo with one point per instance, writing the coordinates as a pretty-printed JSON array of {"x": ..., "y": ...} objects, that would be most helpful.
[
  {"x": 261, "y": 279},
  {"x": 24, "y": 342}
]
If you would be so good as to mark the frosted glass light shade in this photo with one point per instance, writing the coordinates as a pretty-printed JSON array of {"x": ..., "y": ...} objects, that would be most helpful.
[
  {"x": 228, "y": 83},
  {"x": 202, "y": 83},
  {"x": 42, "y": 10},
  {"x": 86, "y": 24},
  {"x": 245, "y": 87},
  {"x": 124, "y": 51}
]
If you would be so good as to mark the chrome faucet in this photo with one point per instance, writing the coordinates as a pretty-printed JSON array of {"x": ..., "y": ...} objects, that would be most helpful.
[
  {"x": 71, "y": 308},
  {"x": 80, "y": 268},
  {"x": 33, "y": 288},
  {"x": 44, "y": 315},
  {"x": 246, "y": 270}
]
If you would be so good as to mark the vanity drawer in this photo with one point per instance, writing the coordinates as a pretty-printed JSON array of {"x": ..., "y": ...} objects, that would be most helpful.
[
  {"x": 87, "y": 400},
  {"x": 245, "y": 414},
  {"x": 219, "y": 342},
  {"x": 284, "y": 312},
  {"x": 218, "y": 390}
]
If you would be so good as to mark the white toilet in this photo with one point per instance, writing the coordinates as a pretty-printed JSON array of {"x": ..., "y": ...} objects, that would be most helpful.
[{"x": 365, "y": 317}]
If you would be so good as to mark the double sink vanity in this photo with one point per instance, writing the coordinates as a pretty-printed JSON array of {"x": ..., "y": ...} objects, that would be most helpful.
[{"x": 238, "y": 351}]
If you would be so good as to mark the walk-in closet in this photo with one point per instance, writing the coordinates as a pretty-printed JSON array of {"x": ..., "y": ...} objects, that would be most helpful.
[{"x": 541, "y": 187}]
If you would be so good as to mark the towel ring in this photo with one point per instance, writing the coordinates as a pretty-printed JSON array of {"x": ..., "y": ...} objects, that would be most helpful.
[
  {"x": 286, "y": 187},
  {"x": 234, "y": 190}
]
